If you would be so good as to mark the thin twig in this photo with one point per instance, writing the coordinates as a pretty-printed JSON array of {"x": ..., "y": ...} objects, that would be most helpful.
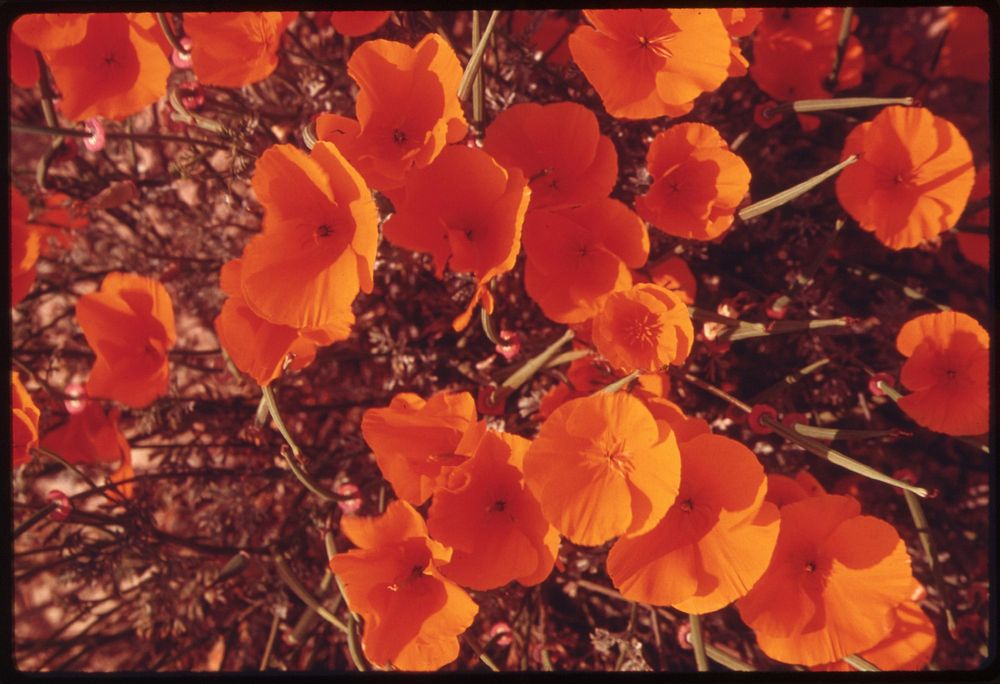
[{"x": 698, "y": 643}]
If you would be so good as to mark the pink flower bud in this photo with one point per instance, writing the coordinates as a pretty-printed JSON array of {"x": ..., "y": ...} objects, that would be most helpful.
[
  {"x": 76, "y": 400},
  {"x": 192, "y": 95},
  {"x": 510, "y": 344},
  {"x": 63, "y": 506},
  {"x": 352, "y": 505},
  {"x": 500, "y": 634},
  {"x": 182, "y": 60},
  {"x": 876, "y": 379},
  {"x": 95, "y": 141},
  {"x": 684, "y": 636}
]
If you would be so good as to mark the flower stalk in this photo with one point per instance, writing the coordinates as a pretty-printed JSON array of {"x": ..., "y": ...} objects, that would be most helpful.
[
  {"x": 838, "y": 59},
  {"x": 834, "y": 104},
  {"x": 307, "y": 598},
  {"x": 698, "y": 643},
  {"x": 785, "y": 196},
  {"x": 307, "y": 481},
  {"x": 532, "y": 366},
  {"x": 809, "y": 444},
  {"x": 860, "y": 664},
  {"x": 476, "y": 61}
]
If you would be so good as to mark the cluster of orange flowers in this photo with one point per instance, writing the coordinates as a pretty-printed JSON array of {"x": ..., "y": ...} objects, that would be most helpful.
[
  {"x": 604, "y": 467},
  {"x": 624, "y": 467}
]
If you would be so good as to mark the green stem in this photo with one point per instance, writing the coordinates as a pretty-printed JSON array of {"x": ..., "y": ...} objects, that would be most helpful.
[
  {"x": 837, "y": 458},
  {"x": 835, "y": 103},
  {"x": 118, "y": 135},
  {"x": 307, "y": 481},
  {"x": 35, "y": 517},
  {"x": 842, "y": 37},
  {"x": 532, "y": 366},
  {"x": 352, "y": 622},
  {"x": 783, "y": 328},
  {"x": 307, "y": 598},
  {"x": 927, "y": 541},
  {"x": 834, "y": 434},
  {"x": 698, "y": 642},
  {"x": 66, "y": 464},
  {"x": 275, "y": 621},
  {"x": 476, "y": 61},
  {"x": 619, "y": 384},
  {"x": 908, "y": 291},
  {"x": 809, "y": 444},
  {"x": 861, "y": 664},
  {"x": 786, "y": 196},
  {"x": 477, "y": 86},
  {"x": 485, "y": 659},
  {"x": 788, "y": 381},
  {"x": 484, "y": 318},
  {"x": 168, "y": 32}
]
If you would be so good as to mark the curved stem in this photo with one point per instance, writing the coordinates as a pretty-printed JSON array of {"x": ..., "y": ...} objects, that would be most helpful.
[
  {"x": 476, "y": 61},
  {"x": 296, "y": 586},
  {"x": 168, "y": 32},
  {"x": 786, "y": 196},
  {"x": 303, "y": 477},
  {"x": 698, "y": 642}
]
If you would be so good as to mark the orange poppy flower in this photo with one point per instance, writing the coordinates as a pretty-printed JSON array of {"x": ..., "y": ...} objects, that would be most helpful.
[
  {"x": 685, "y": 428},
  {"x": 467, "y": 211},
  {"x": 24, "y": 246},
  {"x": 673, "y": 273},
  {"x": 975, "y": 247},
  {"x": 966, "y": 49},
  {"x": 412, "y": 613},
  {"x": 415, "y": 441},
  {"x": 550, "y": 36},
  {"x": 407, "y": 110},
  {"x": 909, "y": 645},
  {"x": 697, "y": 182},
  {"x": 783, "y": 490},
  {"x": 647, "y": 63},
  {"x": 739, "y": 22},
  {"x": 715, "y": 541},
  {"x": 117, "y": 69},
  {"x": 129, "y": 323},
  {"x": 235, "y": 48},
  {"x": 602, "y": 466},
  {"x": 794, "y": 50},
  {"x": 51, "y": 31},
  {"x": 358, "y": 23},
  {"x": 559, "y": 148},
  {"x": 494, "y": 524},
  {"x": 644, "y": 328},
  {"x": 24, "y": 421},
  {"x": 947, "y": 373},
  {"x": 317, "y": 247},
  {"x": 913, "y": 178},
  {"x": 257, "y": 347},
  {"x": 89, "y": 436},
  {"x": 834, "y": 582},
  {"x": 586, "y": 375},
  {"x": 23, "y": 63},
  {"x": 576, "y": 257}
]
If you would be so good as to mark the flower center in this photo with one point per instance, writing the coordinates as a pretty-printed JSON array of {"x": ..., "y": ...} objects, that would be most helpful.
[
  {"x": 620, "y": 459},
  {"x": 398, "y": 136},
  {"x": 644, "y": 329},
  {"x": 810, "y": 566},
  {"x": 324, "y": 231},
  {"x": 951, "y": 373},
  {"x": 686, "y": 505},
  {"x": 498, "y": 506},
  {"x": 110, "y": 58}
]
